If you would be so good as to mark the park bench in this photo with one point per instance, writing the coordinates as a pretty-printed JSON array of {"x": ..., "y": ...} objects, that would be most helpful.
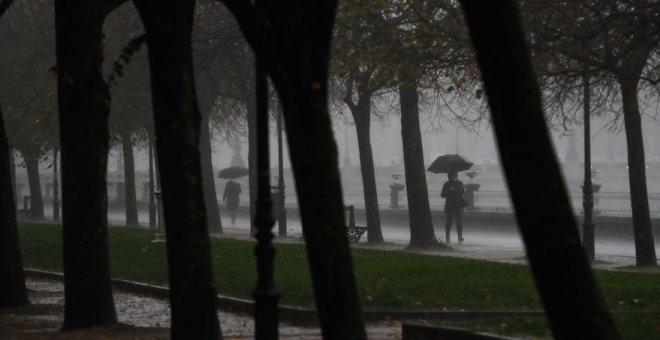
[{"x": 354, "y": 232}]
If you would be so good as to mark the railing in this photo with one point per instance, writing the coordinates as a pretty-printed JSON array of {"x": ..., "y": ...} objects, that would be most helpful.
[{"x": 605, "y": 203}]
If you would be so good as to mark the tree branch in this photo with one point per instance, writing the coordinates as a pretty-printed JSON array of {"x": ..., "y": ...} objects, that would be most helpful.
[
  {"x": 246, "y": 17},
  {"x": 4, "y": 5},
  {"x": 126, "y": 56},
  {"x": 348, "y": 96}
]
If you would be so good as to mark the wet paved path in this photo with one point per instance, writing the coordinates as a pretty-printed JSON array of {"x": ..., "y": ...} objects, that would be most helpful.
[{"x": 141, "y": 311}]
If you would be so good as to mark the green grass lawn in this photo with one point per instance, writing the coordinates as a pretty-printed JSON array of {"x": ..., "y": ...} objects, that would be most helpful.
[{"x": 386, "y": 279}]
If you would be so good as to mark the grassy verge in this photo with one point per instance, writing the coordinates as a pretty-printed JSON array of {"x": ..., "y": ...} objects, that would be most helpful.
[
  {"x": 634, "y": 325},
  {"x": 386, "y": 279}
]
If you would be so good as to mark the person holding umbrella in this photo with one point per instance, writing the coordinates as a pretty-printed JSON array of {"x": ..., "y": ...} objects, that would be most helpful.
[
  {"x": 232, "y": 188},
  {"x": 231, "y": 196},
  {"x": 452, "y": 192}
]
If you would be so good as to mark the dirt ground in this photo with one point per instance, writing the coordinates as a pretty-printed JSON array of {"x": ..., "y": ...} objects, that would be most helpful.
[
  {"x": 42, "y": 319},
  {"x": 43, "y": 322},
  {"x": 140, "y": 317}
]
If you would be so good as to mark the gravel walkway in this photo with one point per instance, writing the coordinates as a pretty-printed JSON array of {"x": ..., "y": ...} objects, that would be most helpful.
[{"x": 141, "y": 311}]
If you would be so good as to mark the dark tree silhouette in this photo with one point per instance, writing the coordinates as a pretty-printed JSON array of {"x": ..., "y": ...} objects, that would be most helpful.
[
  {"x": 4, "y": 6},
  {"x": 361, "y": 112},
  {"x": 296, "y": 46},
  {"x": 573, "y": 301},
  {"x": 616, "y": 41},
  {"x": 357, "y": 46},
  {"x": 207, "y": 95},
  {"x": 29, "y": 89},
  {"x": 210, "y": 196},
  {"x": 168, "y": 26},
  {"x": 12, "y": 278},
  {"x": 31, "y": 153},
  {"x": 128, "y": 91},
  {"x": 628, "y": 75},
  {"x": 129, "y": 180},
  {"x": 422, "y": 234},
  {"x": 84, "y": 105}
]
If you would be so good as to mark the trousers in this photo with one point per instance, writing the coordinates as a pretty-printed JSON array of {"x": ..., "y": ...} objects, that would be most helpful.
[{"x": 452, "y": 213}]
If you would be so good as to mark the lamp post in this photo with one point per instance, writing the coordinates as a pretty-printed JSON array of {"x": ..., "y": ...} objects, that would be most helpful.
[
  {"x": 265, "y": 294},
  {"x": 152, "y": 202},
  {"x": 56, "y": 190},
  {"x": 588, "y": 226}
]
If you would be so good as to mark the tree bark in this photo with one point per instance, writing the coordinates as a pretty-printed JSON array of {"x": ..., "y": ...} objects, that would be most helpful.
[
  {"x": 644, "y": 243},
  {"x": 315, "y": 165},
  {"x": 129, "y": 180},
  {"x": 362, "y": 116},
  {"x": 573, "y": 301},
  {"x": 314, "y": 159},
  {"x": 168, "y": 26},
  {"x": 252, "y": 156},
  {"x": 12, "y": 277},
  {"x": 12, "y": 172},
  {"x": 422, "y": 234},
  {"x": 296, "y": 44},
  {"x": 83, "y": 101},
  {"x": 31, "y": 155},
  {"x": 208, "y": 177},
  {"x": 4, "y": 6}
]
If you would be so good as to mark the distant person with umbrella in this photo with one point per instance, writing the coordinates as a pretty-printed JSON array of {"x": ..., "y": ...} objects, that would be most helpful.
[
  {"x": 452, "y": 191},
  {"x": 231, "y": 196},
  {"x": 232, "y": 189}
]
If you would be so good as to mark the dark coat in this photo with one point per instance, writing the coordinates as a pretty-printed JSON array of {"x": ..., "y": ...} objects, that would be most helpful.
[
  {"x": 231, "y": 194},
  {"x": 452, "y": 192}
]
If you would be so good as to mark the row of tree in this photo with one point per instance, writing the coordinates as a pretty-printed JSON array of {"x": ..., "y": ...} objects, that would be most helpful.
[
  {"x": 294, "y": 39},
  {"x": 414, "y": 49},
  {"x": 421, "y": 47}
]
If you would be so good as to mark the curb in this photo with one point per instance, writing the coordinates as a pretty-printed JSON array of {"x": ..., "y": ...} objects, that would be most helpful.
[{"x": 301, "y": 316}]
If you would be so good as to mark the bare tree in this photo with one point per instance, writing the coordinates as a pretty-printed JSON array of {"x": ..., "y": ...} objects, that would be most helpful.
[
  {"x": 574, "y": 304},
  {"x": 29, "y": 87},
  {"x": 615, "y": 41},
  {"x": 12, "y": 277},
  {"x": 84, "y": 106},
  {"x": 130, "y": 94},
  {"x": 294, "y": 38},
  {"x": 168, "y": 26}
]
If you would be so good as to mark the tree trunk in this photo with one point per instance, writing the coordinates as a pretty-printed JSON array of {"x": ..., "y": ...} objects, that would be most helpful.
[
  {"x": 4, "y": 5},
  {"x": 296, "y": 47},
  {"x": 129, "y": 180},
  {"x": 208, "y": 177},
  {"x": 252, "y": 156},
  {"x": 573, "y": 301},
  {"x": 83, "y": 101},
  {"x": 177, "y": 119},
  {"x": 31, "y": 156},
  {"x": 644, "y": 244},
  {"x": 314, "y": 160},
  {"x": 12, "y": 278},
  {"x": 362, "y": 117},
  {"x": 422, "y": 234},
  {"x": 12, "y": 172}
]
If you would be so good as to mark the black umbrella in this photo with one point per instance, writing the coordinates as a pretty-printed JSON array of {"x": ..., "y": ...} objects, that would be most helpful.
[
  {"x": 447, "y": 163},
  {"x": 233, "y": 172}
]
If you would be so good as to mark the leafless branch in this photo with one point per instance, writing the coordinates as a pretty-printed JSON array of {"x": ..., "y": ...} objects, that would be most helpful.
[{"x": 4, "y": 5}]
